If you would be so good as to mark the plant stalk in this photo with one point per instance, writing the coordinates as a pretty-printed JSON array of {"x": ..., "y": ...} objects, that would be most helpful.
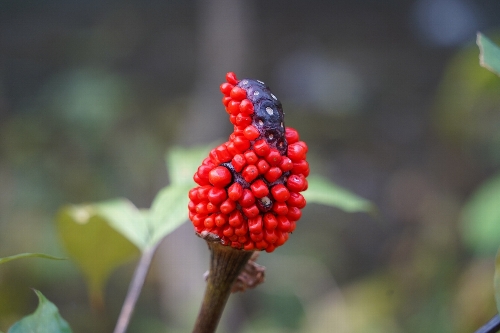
[
  {"x": 226, "y": 263},
  {"x": 492, "y": 326},
  {"x": 134, "y": 290}
]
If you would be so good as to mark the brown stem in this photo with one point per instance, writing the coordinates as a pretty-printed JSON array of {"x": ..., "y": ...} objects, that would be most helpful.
[{"x": 226, "y": 264}]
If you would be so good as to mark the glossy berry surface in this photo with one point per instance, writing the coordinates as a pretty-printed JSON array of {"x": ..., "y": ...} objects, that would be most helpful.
[{"x": 248, "y": 192}]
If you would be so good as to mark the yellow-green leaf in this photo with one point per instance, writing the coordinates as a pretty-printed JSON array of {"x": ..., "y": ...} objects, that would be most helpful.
[
  {"x": 322, "y": 191},
  {"x": 169, "y": 211},
  {"x": 94, "y": 245},
  {"x": 45, "y": 319},
  {"x": 28, "y": 255}
]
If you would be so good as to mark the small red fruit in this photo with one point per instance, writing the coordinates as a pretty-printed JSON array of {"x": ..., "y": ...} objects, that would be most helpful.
[
  {"x": 220, "y": 176},
  {"x": 259, "y": 188}
]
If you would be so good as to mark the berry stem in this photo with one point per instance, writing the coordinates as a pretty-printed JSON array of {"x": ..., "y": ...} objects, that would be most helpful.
[{"x": 226, "y": 263}]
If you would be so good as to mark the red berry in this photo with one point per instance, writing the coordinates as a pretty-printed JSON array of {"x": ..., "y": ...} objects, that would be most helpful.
[
  {"x": 220, "y": 219},
  {"x": 241, "y": 230},
  {"x": 220, "y": 176},
  {"x": 228, "y": 231},
  {"x": 283, "y": 224},
  {"x": 246, "y": 107},
  {"x": 291, "y": 135},
  {"x": 235, "y": 191},
  {"x": 238, "y": 162},
  {"x": 296, "y": 152},
  {"x": 255, "y": 224},
  {"x": 248, "y": 246},
  {"x": 235, "y": 219},
  {"x": 280, "y": 208},
  {"x": 286, "y": 164},
  {"x": 270, "y": 221},
  {"x": 274, "y": 157},
  {"x": 232, "y": 119},
  {"x": 203, "y": 192},
  {"x": 231, "y": 148},
  {"x": 238, "y": 94},
  {"x": 263, "y": 166},
  {"x": 223, "y": 154},
  {"x": 251, "y": 211},
  {"x": 241, "y": 143},
  {"x": 257, "y": 237},
  {"x": 217, "y": 195},
  {"x": 273, "y": 174},
  {"x": 193, "y": 194},
  {"x": 251, "y": 132},
  {"x": 247, "y": 199},
  {"x": 250, "y": 157},
  {"x": 270, "y": 248},
  {"x": 198, "y": 219},
  {"x": 280, "y": 193},
  {"x": 209, "y": 222},
  {"x": 192, "y": 206},
  {"x": 233, "y": 107},
  {"x": 261, "y": 148},
  {"x": 203, "y": 171},
  {"x": 270, "y": 236},
  {"x": 261, "y": 245},
  {"x": 296, "y": 200},
  {"x": 301, "y": 167},
  {"x": 242, "y": 120},
  {"x": 250, "y": 172},
  {"x": 200, "y": 181},
  {"x": 225, "y": 88},
  {"x": 231, "y": 78},
  {"x": 259, "y": 188},
  {"x": 212, "y": 208},
  {"x": 295, "y": 183},
  {"x": 226, "y": 100},
  {"x": 201, "y": 208},
  {"x": 227, "y": 206},
  {"x": 294, "y": 213}
]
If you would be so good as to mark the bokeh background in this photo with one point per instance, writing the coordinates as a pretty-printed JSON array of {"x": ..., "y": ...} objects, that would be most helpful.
[{"x": 388, "y": 95}]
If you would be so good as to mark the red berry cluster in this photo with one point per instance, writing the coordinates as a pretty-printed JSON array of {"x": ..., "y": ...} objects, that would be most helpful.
[{"x": 248, "y": 194}]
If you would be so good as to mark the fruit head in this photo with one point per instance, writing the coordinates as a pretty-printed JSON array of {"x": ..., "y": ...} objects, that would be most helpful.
[{"x": 249, "y": 187}]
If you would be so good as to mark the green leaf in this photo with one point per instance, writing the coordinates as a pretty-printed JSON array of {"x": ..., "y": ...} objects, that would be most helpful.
[
  {"x": 480, "y": 218},
  {"x": 45, "y": 319},
  {"x": 125, "y": 218},
  {"x": 169, "y": 211},
  {"x": 182, "y": 163},
  {"x": 489, "y": 54},
  {"x": 96, "y": 246},
  {"x": 322, "y": 191},
  {"x": 28, "y": 255}
]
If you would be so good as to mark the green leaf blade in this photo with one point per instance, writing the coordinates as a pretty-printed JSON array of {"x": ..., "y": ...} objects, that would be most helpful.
[
  {"x": 480, "y": 218},
  {"x": 322, "y": 191},
  {"x": 28, "y": 255},
  {"x": 45, "y": 319},
  {"x": 169, "y": 211},
  {"x": 489, "y": 54},
  {"x": 96, "y": 246}
]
